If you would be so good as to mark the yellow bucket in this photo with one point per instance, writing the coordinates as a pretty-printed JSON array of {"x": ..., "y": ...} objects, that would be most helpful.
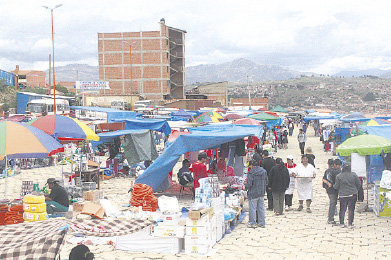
[
  {"x": 30, "y": 217},
  {"x": 35, "y": 208}
]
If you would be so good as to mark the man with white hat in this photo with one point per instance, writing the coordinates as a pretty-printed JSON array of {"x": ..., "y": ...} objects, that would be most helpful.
[{"x": 289, "y": 192}]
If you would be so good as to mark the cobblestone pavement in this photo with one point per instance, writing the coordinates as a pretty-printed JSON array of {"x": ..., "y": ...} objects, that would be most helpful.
[{"x": 294, "y": 235}]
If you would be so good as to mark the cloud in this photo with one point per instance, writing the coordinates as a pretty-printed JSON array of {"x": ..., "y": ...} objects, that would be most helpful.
[{"x": 324, "y": 36}]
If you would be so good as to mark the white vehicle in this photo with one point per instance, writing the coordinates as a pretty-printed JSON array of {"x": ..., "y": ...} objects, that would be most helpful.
[
  {"x": 42, "y": 107},
  {"x": 142, "y": 104}
]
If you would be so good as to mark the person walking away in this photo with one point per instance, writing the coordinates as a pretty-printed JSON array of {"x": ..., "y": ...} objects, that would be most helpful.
[
  {"x": 258, "y": 155},
  {"x": 58, "y": 199},
  {"x": 285, "y": 139},
  {"x": 347, "y": 183},
  {"x": 279, "y": 183},
  {"x": 268, "y": 163},
  {"x": 310, "y": 156},
  {"x": 256, "y": 185},
  {"x": 291, "y": 127},
  {"x": 304, "y": 127},
  {"x": 304, "y": 172},
  {"x": 290, "y": 165},
  {"x": 328, "y": 183},
  {"x": 199, "y": 169},
  {"x": 302, "y": 138}
]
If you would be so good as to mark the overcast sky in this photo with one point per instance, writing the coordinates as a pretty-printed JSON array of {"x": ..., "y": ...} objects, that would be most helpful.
[{"x": 317, "y": 36}]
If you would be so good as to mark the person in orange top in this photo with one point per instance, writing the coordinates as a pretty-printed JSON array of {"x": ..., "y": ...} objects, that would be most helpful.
[{"x": 199, "y": 169}]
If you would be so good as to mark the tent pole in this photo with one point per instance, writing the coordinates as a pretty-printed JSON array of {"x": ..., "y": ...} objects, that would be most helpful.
[{"x": 6, "y": 177}]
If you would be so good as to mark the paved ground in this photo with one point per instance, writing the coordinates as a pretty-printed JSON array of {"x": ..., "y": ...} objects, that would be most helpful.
[
  {"x": 302, "y": 235},
  {"x": 295, "y": 235}
]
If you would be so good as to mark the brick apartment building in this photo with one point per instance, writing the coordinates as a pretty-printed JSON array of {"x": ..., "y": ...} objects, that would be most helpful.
[
  {"x": 30, "y": 78},
  {"x": 154, "y": 66}
]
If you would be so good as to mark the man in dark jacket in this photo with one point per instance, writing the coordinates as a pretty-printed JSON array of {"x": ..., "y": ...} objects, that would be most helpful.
[
  {"x": 268, "y": 163},
  {"x": 278, "y": 183},
  {"x": 347, "y": 183},
  {"x": 328, "y": 183},
  {"x": 57, "y": 200},
  {"x": 256, "y": 185}
]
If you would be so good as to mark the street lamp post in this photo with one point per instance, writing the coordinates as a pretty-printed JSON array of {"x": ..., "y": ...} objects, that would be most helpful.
[
  {"x": 131, "y": 79},
  {"x": 54, "y": 77}
]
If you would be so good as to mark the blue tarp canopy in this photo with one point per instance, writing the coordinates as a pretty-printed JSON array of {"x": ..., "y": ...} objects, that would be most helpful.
[
  {"x": 354, "y": 117},
  {"x": 181, "y": 115},
  {"x": 383, "y": 117},
  {"x": 108, "y": 136},
  {"x": 379, "y": 130},
  {"x": 112, "y": 114},
  {"x": 200, "y": 138},
  {"x": 149, "y": 124},
  {"x": 308, "y": 118}
]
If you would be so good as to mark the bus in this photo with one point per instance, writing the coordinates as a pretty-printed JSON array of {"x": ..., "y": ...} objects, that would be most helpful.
[{"x": 43, "y": 107}]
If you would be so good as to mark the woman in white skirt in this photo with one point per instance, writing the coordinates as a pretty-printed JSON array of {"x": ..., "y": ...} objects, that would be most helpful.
[{"x": 304, "y": 172}]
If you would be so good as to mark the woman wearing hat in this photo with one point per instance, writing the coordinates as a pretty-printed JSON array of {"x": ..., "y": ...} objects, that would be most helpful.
[{"x": 290, "y": 165}]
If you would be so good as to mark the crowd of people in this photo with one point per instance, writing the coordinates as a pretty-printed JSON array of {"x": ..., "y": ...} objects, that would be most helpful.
[{"x": 278, "y": 180}]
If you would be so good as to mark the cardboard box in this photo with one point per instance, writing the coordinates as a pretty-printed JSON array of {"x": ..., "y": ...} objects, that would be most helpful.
[
  {"x": 89, "y": 208},
  {"x": 197, "y": 214},
  {"x": 200, "y": 245},
  {"x": 93, "y": 195},
  {"x": 78, "y": 206},
  {"x": 198, "y": 231},
  {"x": 171, "y": 219},
  {"x": 203, "y": 221},
  {"x": 169, "y": 231}
]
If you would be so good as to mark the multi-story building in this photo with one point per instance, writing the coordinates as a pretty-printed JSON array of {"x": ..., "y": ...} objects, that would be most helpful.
[
  {"x": 150, "y": 64},
  {"x": 8, "y": 77},
  {"x": 30, "y": 78}
]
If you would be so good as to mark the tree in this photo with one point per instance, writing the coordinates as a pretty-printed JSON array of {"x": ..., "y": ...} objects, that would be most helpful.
[{"x": 369, "y": 97}]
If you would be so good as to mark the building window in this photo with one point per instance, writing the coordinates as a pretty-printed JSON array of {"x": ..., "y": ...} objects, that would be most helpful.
[{"x": 22, "y": 76}]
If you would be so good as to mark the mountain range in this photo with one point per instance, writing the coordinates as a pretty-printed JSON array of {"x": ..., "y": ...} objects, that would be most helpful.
[
  {"x": 233, "y": 71},
  {"x": 74, "y": 72}
]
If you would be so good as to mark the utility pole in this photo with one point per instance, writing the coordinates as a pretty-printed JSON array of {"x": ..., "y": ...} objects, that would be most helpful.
[
  {"x": 249, "y": 95},
  {"x": 50, "y": 71},
  {"x": 54, "y": 77}
]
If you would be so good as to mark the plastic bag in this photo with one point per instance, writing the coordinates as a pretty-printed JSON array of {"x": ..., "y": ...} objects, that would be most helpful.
[
  {"x": 168, "y": 204},
  {"x": 386, "y": 180}
]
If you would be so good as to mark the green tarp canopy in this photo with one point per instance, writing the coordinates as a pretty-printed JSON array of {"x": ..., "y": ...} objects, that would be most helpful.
[
  {"x": 263, "y": 117},
  {"x": 364, "y": 145},
  {"x": 280, "y": 109}
]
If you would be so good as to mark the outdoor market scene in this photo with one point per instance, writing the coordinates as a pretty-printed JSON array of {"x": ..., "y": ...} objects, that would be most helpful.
[
  {"x": 196, "y": 183},
  {"x": 195, "y": 130}
]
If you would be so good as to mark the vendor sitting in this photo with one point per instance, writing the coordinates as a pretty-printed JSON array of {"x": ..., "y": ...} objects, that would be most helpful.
[
  {"x": 57, "y": 200},
  {"x": 184, "y": 174}
]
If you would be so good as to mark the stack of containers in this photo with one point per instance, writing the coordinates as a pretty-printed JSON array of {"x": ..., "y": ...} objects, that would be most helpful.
[
  {"x": 201, "y": 233},
  {"x": 27, "y": 188},
  {"x": 34, "y": 208},
  {"x": 218, "y": 209}
]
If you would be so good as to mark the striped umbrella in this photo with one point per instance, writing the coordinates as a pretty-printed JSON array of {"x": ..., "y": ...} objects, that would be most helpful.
[
  {"x": 65, "y": 128},
  {"x": 19, "y": 140}
]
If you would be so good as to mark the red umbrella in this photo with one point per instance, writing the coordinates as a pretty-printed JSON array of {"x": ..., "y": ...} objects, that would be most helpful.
[
  {"x": 233, "y": 116},
  {"x": 247, "y": 121},
  {"x": 271, "y": 113}
]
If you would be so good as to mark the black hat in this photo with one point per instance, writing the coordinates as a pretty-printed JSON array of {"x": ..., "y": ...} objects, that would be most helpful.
[{"x": 51, "y": 180}]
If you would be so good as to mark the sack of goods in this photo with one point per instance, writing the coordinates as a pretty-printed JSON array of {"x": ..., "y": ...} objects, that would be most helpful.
[{"x": 34, "y": 208}]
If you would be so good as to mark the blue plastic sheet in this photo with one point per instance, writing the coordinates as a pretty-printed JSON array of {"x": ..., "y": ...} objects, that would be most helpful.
[
  {"x": 159, "y": 125},
  {"x": 112, "y": 114},
  {"x": 380, "y": 130},
  {"x": 200, "y": 138}
]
